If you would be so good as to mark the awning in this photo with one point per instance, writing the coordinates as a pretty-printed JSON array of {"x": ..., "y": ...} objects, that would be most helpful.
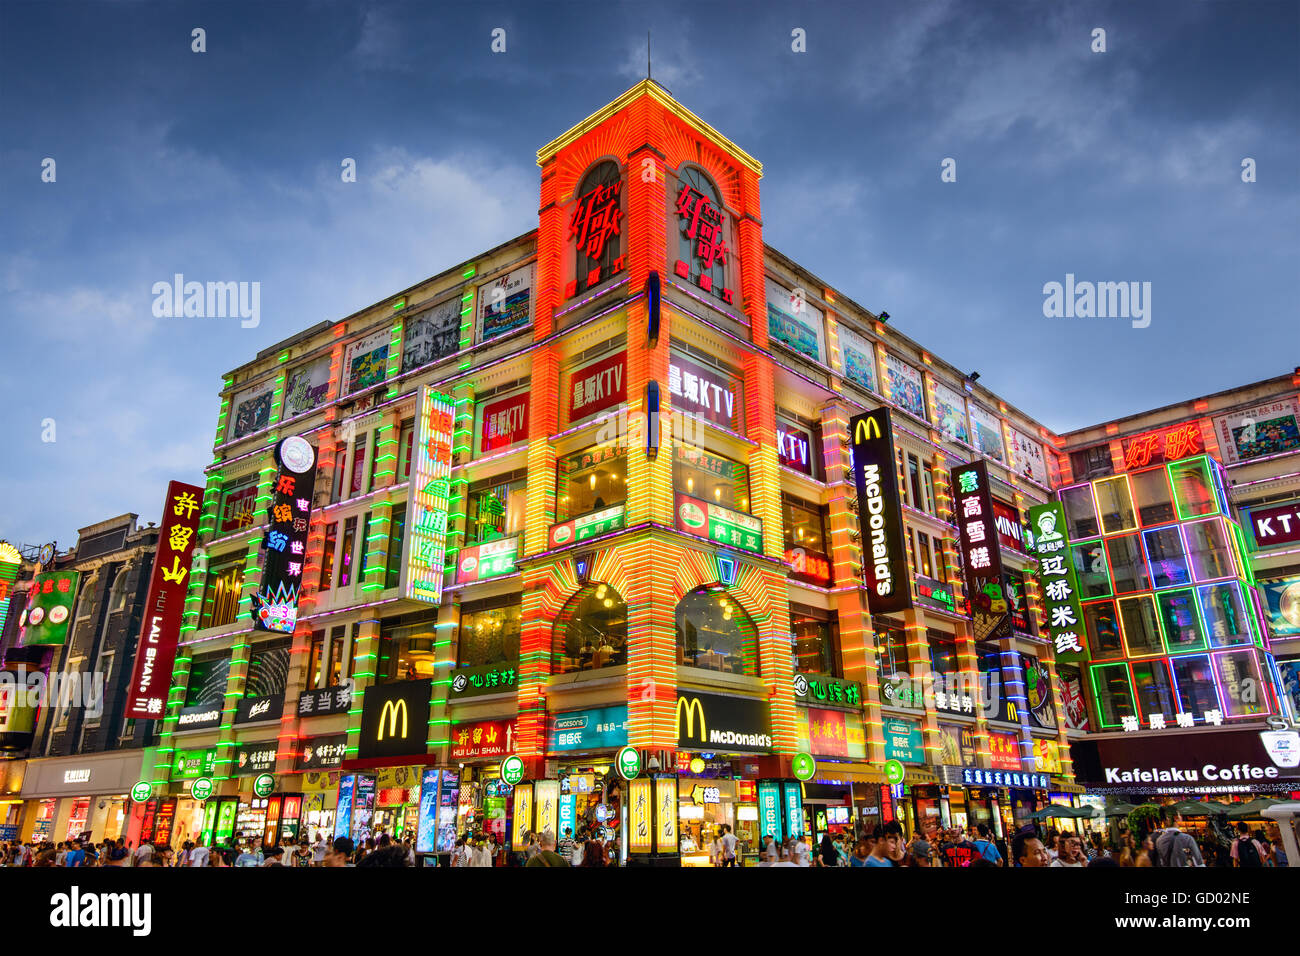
[{"x": 829, "y": 774}]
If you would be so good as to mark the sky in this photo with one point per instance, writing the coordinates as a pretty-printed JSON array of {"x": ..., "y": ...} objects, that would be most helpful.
[{"x": 1122, "y": 165}]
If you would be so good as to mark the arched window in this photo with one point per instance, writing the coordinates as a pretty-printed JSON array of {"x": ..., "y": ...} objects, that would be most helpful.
[
  {"x": 703, "y": 228},
  {"x": 595, "y": 227},
  {"x": 591, "y": 631},
  {"x": 715, "y": 633}
]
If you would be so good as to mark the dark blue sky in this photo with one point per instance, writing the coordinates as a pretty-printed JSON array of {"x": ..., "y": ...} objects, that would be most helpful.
[{"x": 225, "y": 166}]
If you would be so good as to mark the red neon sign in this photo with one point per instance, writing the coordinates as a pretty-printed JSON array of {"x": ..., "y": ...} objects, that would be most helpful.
[{"x": 1171, "y": 444}]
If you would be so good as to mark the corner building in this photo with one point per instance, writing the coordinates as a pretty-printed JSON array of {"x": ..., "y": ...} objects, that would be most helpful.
[{"x": 594, "y": 489}]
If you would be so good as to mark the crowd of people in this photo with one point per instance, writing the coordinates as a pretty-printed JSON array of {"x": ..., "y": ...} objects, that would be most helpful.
[{"x": 884, "y": 846}]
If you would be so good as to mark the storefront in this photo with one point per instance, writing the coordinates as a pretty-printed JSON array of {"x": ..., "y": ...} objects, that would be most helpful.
[
  {"x": 484, "y": 801},
  {"x": 81, "y": 796}
]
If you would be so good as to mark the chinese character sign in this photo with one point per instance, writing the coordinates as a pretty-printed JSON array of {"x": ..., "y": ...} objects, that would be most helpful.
[
  {"x": 505, "y": 422},
  {"x": 426, "y": 545},
  {"x": 596, "y": 217},
  {"x": 1170, "y": 444},
  {"x": 598, "y": 386},
  {"x": 276, "y": 598},
  {"x": 1062, "y": 613},
  {"x": 49, "y": 608},
  {"x": 11, "y": 562},
  {"x": 151, "y": 675},
  {"x": 981, "y": 553},
  {"x": 704, "y": 225}
]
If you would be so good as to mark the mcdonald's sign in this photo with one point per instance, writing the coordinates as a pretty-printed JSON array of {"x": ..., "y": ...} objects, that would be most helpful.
[
  {"x": 880, "y": 515},
  {"x": 395, "y": 719},
  {"x": 712, "y": 722}
]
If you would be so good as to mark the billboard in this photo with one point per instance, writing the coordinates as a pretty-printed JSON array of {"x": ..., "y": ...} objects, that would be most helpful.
[
  {"x": 250, "y": 409},
  {"x": 505, "y": 304},
  {"x": 426, "y": 545},
  {"x": 49, "y": 608},
  {"x": 431, "y": 335},
  {"x": 1062, "y": 612},
  {"x": 986, "y": 429},
  {"x": 794, "y": 323},
  {"x": 308, "y": 387},
  {"x": 875, "y": 474},
  {"x": 903, "y": 383},
  {"x": 859, "y": 358},
  {"x": 366, "y": 361},
  {"x": 597, "y": 386},
  {"x": 1268, "y": 429},
  {"x": 276, "y": 598},
  {"x": 11, "y": 562},
  {"x": 981, "y": 555},
  {"x": 1281, "y": 600},
  {"x": 504, "y": 421},
  {"x": 151, "y": 674},
  {"x": 950, "y": 413},
  {"x": 712, "y": 722}
]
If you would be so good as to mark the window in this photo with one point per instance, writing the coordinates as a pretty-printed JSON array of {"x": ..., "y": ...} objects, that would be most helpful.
[
  {"x": 207, "y": 681},
  {"x": 814, "y": 641},
  {"x": 605, "y": 178},
  {"x": 496, "y": 508},
  {"x": 340, "y": 470},
  {"x": 715, "y": 633},
  {"x": 327, "y": 559},
  {"x": 268, "y": 669},
  {"x": 336, "y": 653},
  {"x": 590, "y": 633},
  {"x": 943, "y": 652},
  {"x": 396, "y": 534},
  {"x": 803, "y": 524},
  {"x": 1243, "y": 693},
  {"x": 363, "y": 546},
  {"x": 238, "y": 501},
  {"x": 222, "y": 590},
  {"x": 1192, "y": 485},
  {"x": 1155, "y": 692},
  {"x": 1128, "y": 566},
  {"x": 1080, "y": 512},
  {"x": 406, "y": 647},
  {"x": 1208, "y": 548},
  {"x": 918, "y": 489},
  {"x": 1224, "y": 615},
  {"x": 1181, "y": 620},
  {"x": 1092, "y": 462},
  {"x": 117, "y": 594},
  {"x": 1167, "y": 558},
  {"x": 405, "y": 448},
  {"x": 316, "y": 660},
  {"x": 893, "y": 667},
  {"x": 489, "y": 632},
  {"x": 345, "y": 552},
  {"x": 1115, "y": 505},
  {"x": 106, "y": 661},
  {"x": 928, "y": 553},
  {"x": 358, "y": 470},
  {"x": 1103, "y": 630},
  {"x": 1195, "y": 682},
  {"x": 1155, "y": 503},
  {"x": 1114, "y": 694},
  {"x": 1141, "y": 630},
  {"x": 1091, "y": 569},
  {"x": 711, "y": 477},
  {"x": 590, "y": 480},
  {"x": 688, "y": 247}
]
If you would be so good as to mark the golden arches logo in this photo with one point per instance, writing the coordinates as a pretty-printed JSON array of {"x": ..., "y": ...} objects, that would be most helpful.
[
  {"x": 390, "y": 711},
  {"x": 692, "y": 706},
  {"x": 866, "y": 428}
]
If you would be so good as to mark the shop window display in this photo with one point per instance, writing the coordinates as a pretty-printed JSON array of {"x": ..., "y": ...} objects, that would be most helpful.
[{"x": 711, "y": 477}]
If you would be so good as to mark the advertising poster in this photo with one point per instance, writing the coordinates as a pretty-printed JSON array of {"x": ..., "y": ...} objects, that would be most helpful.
[
  {"x": 49, "y": 609},
  {"x": 793, "y": 322},
  {"x": 343, "y": 817},
  {"x": 1268, "y": 429},
  {"x": 276, "y": 599},
  {"x": 1072, "y": 702},
  {"x": 366, "y": 361},
  {"x": 903, "y": 383},
  {"x": 431, "y": 335},
  {"x": 426, "y": 831},
  {"x": 1281, "y": 600},
  {"x": 1038, "y": 692},
  {"x": 859, "y": 357},
  {"x": 1289, "y": 676},
  {"x": 504, "y": 304},
  {"x": 950, "y": 413},
  {"x": 363, "y": 807},
  {"x": 987, "y": 432},
  {"x": 308, "y": 387},
  {"x": 250, "y": 409},
  {"x": 1028, "y": 460}
]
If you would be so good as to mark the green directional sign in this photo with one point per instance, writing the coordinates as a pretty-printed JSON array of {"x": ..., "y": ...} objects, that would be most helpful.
[
  {"x": 894, "y": 772},
  {"x": 264, "y": 784},
  {"x": 141, "y": 791},
  {"x": 201, "y": 788},
  {"x": 804, "y": 767},
  {"x": 629, "y": 763},
  {"x": 512, "y": 769}
]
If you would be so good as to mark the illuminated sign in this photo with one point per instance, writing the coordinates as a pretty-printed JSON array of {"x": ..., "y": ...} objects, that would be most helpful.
[
  {"x": 276, "y": 598},
  {"x": 769, "y": 811},
  {"x": 395, "y": 719},
  {"x": 666, "y": 801},
  {"x": 76, "y": 776},
  {"x": 546, "y": 797},
  {"x": 712, "y": 722},
  {"x": 640, "y": 827},
  {"x": 488, "y": 560},
  {"x": 49, "y": 609},
  {"x": 504, "y": 422},
  {"x": 719, "y": 524},
  {"x": 794, "y": 447},
  {"x": 485, "y": 738},
  {"x": 934, "y": 594},
  {"x": 426, "y": 549},
  {"x": 793, "y": 322},
  {"x": 189, "y": 764},
  {"x": 254, "y": 758},
  {"x": 710, "y": 393},
  {"x": 1004, "y": 750},
  {"x": 1275, "y": 525},
  {"x": 810, "y": 566},
  {"x": 1006, "y": 518},
  {"x": 336, "y": 699},
  {"x": 598, "y": 386},
  {"x": 594, "y": 222},
  {"x": 822, "y": 689},
  {"x": 875, "y": 474},
  {"x": 793, "y": 808},
  {"x": 588, "y": 526},
  {"x": 598, "y": 729},
  {"x": 1062, "y": 612},
  {"x": 978, "y": 777},
  {"x": 488, "y": 679},
  {"x": 703, "y": 223},
  {"x": 1166, "y": 444},
  {"x": 322, "y": 753},
  {"x": 980, "y": 551},
  {"x": 523, "y": 815},
  {"x": 11, "y": 562},
  {"x": 903, "y": 740}
]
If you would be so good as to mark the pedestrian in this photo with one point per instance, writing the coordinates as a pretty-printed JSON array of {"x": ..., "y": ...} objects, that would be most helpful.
[
  {"x": 1173, "y": 847},
  {"x": 770, "y": 849},
  {"x": 593, "y": 853},
  {"x": 727, "y": 846},
  {"x": 1247, "y": 851},
  {"x": 888, "y": 845},
  {"x": 919, "y": 854},
  {"x": 143, "y": 855},
  {"x": 985, "y": 847},
  {"x": 76, "y": 856},
  {"x": 247, "y": 857},
  {"x": 339, "y": 853},
  {"x": 828, "y": 854},
  {"x": 546, "y": 855},
  {"x": 566, "y": 844},
  {"x": 200, "y": 855},
  {"x": 1028, "y": 851},
  {"x": 482, "y": 855},
  {"x": 274, "y": 856},
  {"x": 1071, "y": 853}
]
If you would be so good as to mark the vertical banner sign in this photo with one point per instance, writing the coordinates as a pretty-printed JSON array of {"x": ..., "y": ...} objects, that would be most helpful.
[
  {"x": 875, "y": 473},
  {"x": 980, "y": 552},
  {"x": 769, "y": 811},
  {"x": 343, "y": 816},
  {"x": 49, "y": 608},
  {"x": 286, "y": 540},
  {"x": 1062, "y": 613},
  {"x": 151, "y": 675},
  {"x": 523, "y": 816},
  {"x": 426, "y": 554},
  {"x": 666, "y": 814},
  {"x": 426, "y": 830},
  {"x": 11, "y": 562},
  {"x": 793, "y": 808},
  {"x": 640, "y": 820},
  {"x": 546, "y": 794}
]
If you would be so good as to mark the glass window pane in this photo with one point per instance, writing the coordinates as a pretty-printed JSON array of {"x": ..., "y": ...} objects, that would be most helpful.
[
  {"x": 1141, "y": 631},
  {"x": 1128, "y": 566},
  {"x": 1114, "y": 694},
  {"x": 591, "y": 631},
  {"x": 1209, "y": 550},
  {"x": 1195, "y": 493},
  {"x": 590, "y": 480},
  {"x": 489, "y": 636},
  {"x": 1243, "y": 692},
  {"x": 1151, "y": 494},
  {"x": 813, "y": 644},
  {"x": 1154, "y": 691},
  {"x": 1181, "y": 620},
  {"x": 495, "y": 509},
  {"x": 1091, "y": 568},
  {"x": 710, "y": 477},
  {"x": 715, "y": 633},
  {"x": 1080, "y": 512},
  {"x": 1167, "y": 560},
  {"x": 943, "y": 652},
  {"x": 1225, "y": 616},
  {"x": 1103, "y": 630},
  {"x": 802, "y": 524},
  {"x": 1115, "y": 505},
  {"x": 406, "y": 647},
  {"x": 1195, "y": 681}
]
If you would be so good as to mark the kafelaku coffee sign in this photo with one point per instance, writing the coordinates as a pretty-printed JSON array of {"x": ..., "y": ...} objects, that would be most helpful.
[{"x": 1205, "y": 761}]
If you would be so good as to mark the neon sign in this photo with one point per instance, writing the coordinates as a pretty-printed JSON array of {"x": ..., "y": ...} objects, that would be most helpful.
[
  {"x": 1170, "y": 444},
  {"x": 427, "y": 550}
]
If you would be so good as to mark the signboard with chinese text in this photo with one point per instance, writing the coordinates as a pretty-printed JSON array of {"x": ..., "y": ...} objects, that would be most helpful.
[
  {"x": 1269, "y": 429},
  {"x": 935, "y": 594},
  {"x": 505, "y": 304},
  {"x": 426, "y": 545},
  {"x": 484, "y": 738},
  {"x": 600, "y": 728},
  {"x": 794, "y": 323},
  {"x": 488, "y": 679},
  {"x": 707, "y": 520},
  {"x": 710, "y": 393},
  {"x": 594, "y": 223},
  {"x": 151, "y": 674},
  {"x": 812, "y": 567},
  {"x": 587, "y": 526},
  {"x": 981, "y": 556},
  {"x": 322, "y": 753},
  {"x": 825, "y": 690},
  {"x": 48, "y": 614},
  {"x": 1047, "y": 756},
  {"x": 1163, "y": 445},
  {"x": 1062, "y": 612},
  {"x": 192, "y": 764},
  {"x": 704, "y": 225},
  {"x": 1004, "y": 750},
  {"x": 336, "y": 699},
  {"x": 489, "y": 560},
  {"x": 833, "y": 733},
  {"x": 276, "y": 599},
  {"x": 880, "y": 516},
  {"x": 504, "y": 422},
  {"x": 252, "y": 759},
  {"x": 903, "y": 740},
  {"x": 238, "y": 503},
  {"x": 640, "y": 808},
  {"x": 769, "y": 810},
  {"x": 597, "y": 386}
]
